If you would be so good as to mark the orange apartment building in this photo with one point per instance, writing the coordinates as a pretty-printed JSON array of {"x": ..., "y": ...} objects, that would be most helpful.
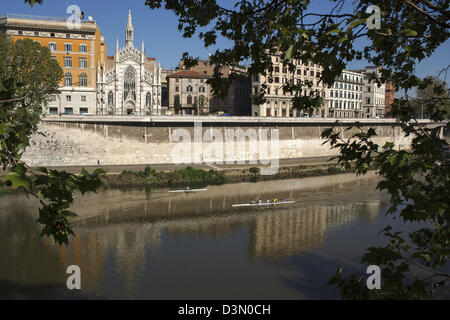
[{"x": 78, "y": 51}]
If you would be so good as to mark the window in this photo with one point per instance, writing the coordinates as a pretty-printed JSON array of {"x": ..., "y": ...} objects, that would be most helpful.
[
  {"x": 305, "y": 73},
  {"x": 20, "y": 33},
  {"x": 83, "y": 80},
  {"x": 311, "y": 73},
  {"x": 52, "y": 35},
  {"x": 285, "y": 69},
  {"x": 52, "y": 46},
  {"x": 110, "y": 98},
  {"x": 67, "y": 62},
  {"x": 36, "y": 34},
  {"x": 68, "y": 47},
  {"x": 68, "y": 36},
  {"x": 177, "y": 89},
  {"x": 277, "y": 69},
  {"x": 68, "y": 80},
  {"x": 53, "y": 98},
  {"x": 299, "y": 72},
  {"x": 130, "y": 84},
  {"x": 368, "y": 89},
  {"x": 189, "y": 100},
  {"x": 83, "y": 63},
  {"x": 368, "y": 100},
  {"x": 83, "y": 98},
  {"x": 277, "y": 80},
  {"x": 68, "y": 98},
  {"x": 83, "y": 48},
  {"x": 331, "y": 93},
  {"x": 53, "y": 110},
  {"x": 189, "y": 89},
  {"x": 68, "y": 110},
  {"x": 201, "y": 89},
  {"x": 83, "y": 110},
  {"x": 148, "y": 99},
  {"x": 177, "y": 80}
]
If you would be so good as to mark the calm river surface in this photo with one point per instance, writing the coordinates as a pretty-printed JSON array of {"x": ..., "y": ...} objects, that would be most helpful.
[{"x": 150, "y": 244}]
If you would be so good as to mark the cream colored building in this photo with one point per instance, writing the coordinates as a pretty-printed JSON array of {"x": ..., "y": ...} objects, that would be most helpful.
[
  {"x": 374, "y": 97},
  {"x": 346, "y": 95},
  {"x": 191, "y": 90},
  {"x": 279, "y": 103}
]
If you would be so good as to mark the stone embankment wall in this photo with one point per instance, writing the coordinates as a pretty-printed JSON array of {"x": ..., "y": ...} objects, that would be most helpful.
[{"x": 85, "y": 141}]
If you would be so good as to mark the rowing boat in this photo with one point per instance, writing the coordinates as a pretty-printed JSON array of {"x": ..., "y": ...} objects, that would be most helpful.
[
  {"x": 262, "y": 204},
  {"x": 187, "y": 190}
]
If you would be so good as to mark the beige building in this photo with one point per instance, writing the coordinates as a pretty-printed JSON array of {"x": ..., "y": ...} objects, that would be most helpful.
[
  {"x": 189, "y": 94},
  {"x": 279, "y": 103},
  {"x": 238, "y": 100},
  {"x": 346, "y": 95},
  {"x": 373, "y": 96}
]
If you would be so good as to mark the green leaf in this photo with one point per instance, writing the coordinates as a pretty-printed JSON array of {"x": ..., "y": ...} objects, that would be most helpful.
[
  {"x": 336, "y": 31},
  {"x": 409, "y": 32},
  {"x": 19, "y": 181},
  {"x": 69, "y": 213},
  {"x": 288, "y": 54}
]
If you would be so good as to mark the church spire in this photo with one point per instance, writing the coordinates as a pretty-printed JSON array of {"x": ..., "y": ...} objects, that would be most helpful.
[{"x": 130, "y": 31}]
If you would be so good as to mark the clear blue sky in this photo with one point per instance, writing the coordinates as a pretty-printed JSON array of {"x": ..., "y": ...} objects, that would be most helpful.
[{"x": 158, "y": 28}]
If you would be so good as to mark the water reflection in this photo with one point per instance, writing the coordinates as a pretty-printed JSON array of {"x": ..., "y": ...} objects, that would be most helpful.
[{"x": 125, "y": 238}]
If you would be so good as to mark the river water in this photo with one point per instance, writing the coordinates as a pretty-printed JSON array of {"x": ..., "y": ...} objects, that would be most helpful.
[{"x": 151, "y": 244}]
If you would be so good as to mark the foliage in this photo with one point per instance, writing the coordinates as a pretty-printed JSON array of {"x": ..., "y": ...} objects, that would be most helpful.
[
  {"x": 148, "y": 172},
  {"x": 28, "y": 76},
  {"x": 194, "y": 176},
  {"x": 254, "y": 170},
  {"x": 435, "y": 94}
]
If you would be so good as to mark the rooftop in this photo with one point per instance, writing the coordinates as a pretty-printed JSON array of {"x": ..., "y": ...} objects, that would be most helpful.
[{"x": 32, "y": 17}]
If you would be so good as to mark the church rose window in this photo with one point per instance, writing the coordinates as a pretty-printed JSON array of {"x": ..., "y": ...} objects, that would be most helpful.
[{"x": 130, "y": 84}]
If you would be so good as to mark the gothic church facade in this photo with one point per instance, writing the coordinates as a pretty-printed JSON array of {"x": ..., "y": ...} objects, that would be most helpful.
[{"x": 129, "y": 83}]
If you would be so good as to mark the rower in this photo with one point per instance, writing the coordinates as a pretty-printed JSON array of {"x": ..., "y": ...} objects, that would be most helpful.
[
  {"x": 260, "y": 202},
  {"x": 268, "y": 202},
  {"x": 275, "y": 200},
  {"x": 253, "y": 202}
]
